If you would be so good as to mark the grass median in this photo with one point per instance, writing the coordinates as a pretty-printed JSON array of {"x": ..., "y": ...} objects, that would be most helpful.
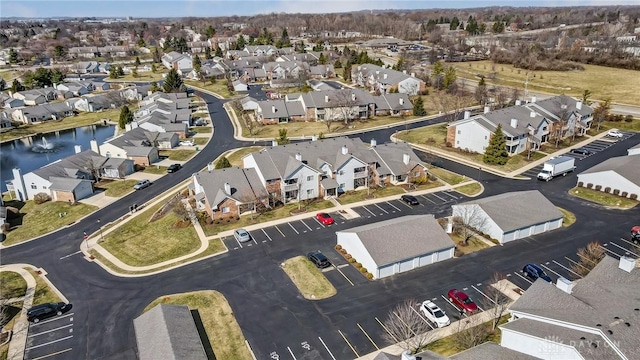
[
  {"x": 43, "y": 294},
  {"x": 447, "y": 176},
  {"x": 472, "y": 189},
  {"x": 569, "y": 217},
  {"x": 602, "y": 198},
  {"x": 361, "y": 195},
  {"x": 310, "y": 281},
  {"x": 12, "y": 285},
  {"x": 222, "y": 330},
  {"x": 235, "y": 158}
]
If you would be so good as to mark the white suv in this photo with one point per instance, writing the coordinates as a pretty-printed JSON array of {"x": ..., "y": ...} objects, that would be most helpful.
[
  {"x": 615, "y": 134},
  {"x": 432, "y": 312}
]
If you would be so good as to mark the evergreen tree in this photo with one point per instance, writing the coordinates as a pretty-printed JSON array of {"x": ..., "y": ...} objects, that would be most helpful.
[
  {"x": 126, "y": 116},
  {"x": 337, "y": 64},
  {"x": 173, "y": 82},
  {"x": 210, "y": 31},
  {"x": 134, "y": 72},
  {"x": 113, "y": 72},
  {"x": 16, "y": 86},
  {"x": 3, "y": 84},
  {"x": 346, "y": 74},
  {"x": 13, "y": 56},
  {"x": 153, "y": 68},
  {"x": 321, "y": 59},
  {"x": 223, "y": 163},
  {"x": 282, "y": 138},
  {"x": 157, "y": 58},
  {"x": 137, "y": 62},
  {"x": 240, "y": 45},
  {"x": 418, "y": 107},
  {"x": 207, "y": 53},
  {"x": 154, "y": 87},
  {"x": 59, "y": 52},
  {"x": 120, "y": 71},
  {"x": 449, "y": 77},
  {"x": 496, "y": 152},
  {"x": 219, "y": 51},
  {"x": 196, "y": 63}
]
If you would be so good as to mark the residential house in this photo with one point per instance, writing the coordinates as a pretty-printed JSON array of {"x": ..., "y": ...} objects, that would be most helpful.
[
  {"x": 136, "y": 144},
  {"x": 114, "y": 51},
  {"x": 595, "y": 317},
  {"x": 336, "y": 105},
  {"x": 568, "y": 116},
  {"x": 523, "y": 127},
  {"x": 260, "y": 50},
  {"x": 166, "y": 135},
  {"x": 394, "y": 104},
  {"x": 89, "y": 67},
  {"x": 75, "y": 88},
  {"x": 396, "y": 163},
  {"x": 249, "y": 104},
  {"x": 197, "y": 47},
  {"x": 285, "y": 69},
  {"x": 239, "y": 86},
  {"x": 135, "y": 93},
  {"x": 397, "y": 245},
  {"x": 13, "y": 103},
  {"x": 617, "y": 175},
  {"x": 44, "y": 112},
  {"x": 177, "y": 61},
  {"x": 510, "y": 216},
  {"x": 85, "y": 52},
  {"x": 5, "y": 120},
  {"x": 635, "y": 150},
  {"x": 97, "y": 102},
  {"x": 322, "y": 72},
  {"x": 376, "y": 78},
  {"x": 229, "y": 193},
  {"x": 36, "y": 96},
  {"x": 214, "y": 71},
  {"x": 279, "y": 111}
]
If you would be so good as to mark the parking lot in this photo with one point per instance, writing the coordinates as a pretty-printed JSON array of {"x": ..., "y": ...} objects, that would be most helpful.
[
  {"x": 50, "y": 338},
  {"x": 594, "y": 147}
]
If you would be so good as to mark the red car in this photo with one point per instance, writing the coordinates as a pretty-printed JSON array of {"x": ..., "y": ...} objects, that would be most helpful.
[
  {"x": 324, "y": 218},
  {"x": 462, "y": 301}
]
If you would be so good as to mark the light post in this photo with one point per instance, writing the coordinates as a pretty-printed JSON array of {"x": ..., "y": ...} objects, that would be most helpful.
[
  {"x": 99, "y": 226},
  {"x": 479, "y": 174}
]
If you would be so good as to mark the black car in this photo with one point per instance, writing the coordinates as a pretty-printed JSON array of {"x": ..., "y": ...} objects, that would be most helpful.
[
  {"x": 581, "y": 151},
  {"x": 43, "y": 311},
  {"x": 534, "y": 272},
  {"x": 410, "y": 199},
  {"x": 173, "y": 168},
  {"x": 318, "y": 259}
]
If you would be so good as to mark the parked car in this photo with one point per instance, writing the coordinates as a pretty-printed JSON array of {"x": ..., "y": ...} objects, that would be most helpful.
[
  {"x": 318, "y": 259},
  {"x": 142, "y": 184},
  {"x": 410, "y": 199},
  {"x": 635, "y": 235},
  {"x": 242, "y": 235},
  {"x": 324, "y": 218},
  {"x": 44, "y": 311},
  {"x": 534, "y": 272},
  {"x": 173, "y": 168},
  {"x": 581, "y": 151},
  {"x": 200, "y": 122},
  {"x": 615, "y": 134},
  {"x": 460, "y": 299},
  {"x": 187, "y": 143},
  {"x": 432, "y": 312}
]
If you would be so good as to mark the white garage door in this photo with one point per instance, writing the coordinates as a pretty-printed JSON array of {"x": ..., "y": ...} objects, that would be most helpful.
[
  {"x": 540, "y": 228},
  {"x": 406, "y": 265},
  {"x": 426, "y": 260},
  {"x": 444, "y": 255},
  {"x": 386, "y": 271}
]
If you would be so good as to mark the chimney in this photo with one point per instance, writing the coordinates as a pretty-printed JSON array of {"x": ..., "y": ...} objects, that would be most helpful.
[
  {"x": 273, "y": 109},
  {"x": 274, "y": 143},
  {"x": 467, "y": 114},
  {"x": 298, "y": 157},
  {"x": 627, "y": 264},
  {"x": 359, "y": 67},
  {"x": 18, "y": 185},
  {"x": 406, "y": 158},
  {"x": 94, "y": 146},
  {"x": 227, "y": 188},
  {"x": 413, "y": 74},
  {"x": 404, "y": 72},
  {"x": 353, "y": 97},
  {"x": 407, "y": 356},
  {"x": 564, "y": 285},
  {"x": 377, "y": 72},
  {"x": 533, "y": 99},
  {"x": 210, "y": 166},
  {"x": 385, "y": 76},
  {"x": 326, "y": 98},
  {"x": 514, "y": 123},
  {"x": 345, "y": 150},
  {"x": 401, "y": 100},
  {"x": 579, "y": 105},
  {"x": 486, "y": 109},
  {"x": 532, "y": 114},
  {"x": 77, "y": 148},
  {"x": 374, "y": 143},
  {"x": 518, "y": 102}
]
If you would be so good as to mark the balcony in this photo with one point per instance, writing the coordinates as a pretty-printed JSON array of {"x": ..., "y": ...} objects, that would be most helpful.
[
  {"x": 290, "y": 187},
  {"x": 359, "y": 174}
]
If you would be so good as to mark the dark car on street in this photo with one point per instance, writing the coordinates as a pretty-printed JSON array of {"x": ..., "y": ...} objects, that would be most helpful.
[
  {"x": 44, "y": 311},
  {"x": 318, "y": 259},
  {"x": 410, "y": 199},
  {"x": 173, "y": 168},
  {"x": 581, "y": 151},
  {"x": 534, "y": 272}
]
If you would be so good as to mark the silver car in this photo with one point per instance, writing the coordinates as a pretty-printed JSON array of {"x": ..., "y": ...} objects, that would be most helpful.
[
  {"x": 242, "y": 235},
  {"x": 141, "y": 184}
]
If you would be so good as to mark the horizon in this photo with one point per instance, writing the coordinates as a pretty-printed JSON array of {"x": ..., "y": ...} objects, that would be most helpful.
[{"x": 38, "y": 9}]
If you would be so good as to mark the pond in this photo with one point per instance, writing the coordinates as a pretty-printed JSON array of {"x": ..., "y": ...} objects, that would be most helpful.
[{"x": 31, "y": 153}]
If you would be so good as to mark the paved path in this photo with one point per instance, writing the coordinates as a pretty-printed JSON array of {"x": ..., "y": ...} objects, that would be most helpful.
[{"x": 21, "y": 324}]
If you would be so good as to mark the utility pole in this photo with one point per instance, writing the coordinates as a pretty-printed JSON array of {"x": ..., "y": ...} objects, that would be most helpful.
[{"x": 526, "y": 86}]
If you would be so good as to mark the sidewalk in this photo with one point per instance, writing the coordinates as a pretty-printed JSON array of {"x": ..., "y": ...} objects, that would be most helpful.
[{"x": 21, "y": 324}]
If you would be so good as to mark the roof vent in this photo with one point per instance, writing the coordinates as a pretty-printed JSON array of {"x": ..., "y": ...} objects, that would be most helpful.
[
  {"x": 594, "y": 345},
  {"x": 345, "y": 150},
  {"x": 227, "y": 188},
  {"x": 486, "y": 109},
  {"x": 514, "y": 123},
  {"x": 298, "y": 157},
  {"x": 616, "y": 317},
  {"x": 467, "y": 114},
  {"x": 627, "y": 264},
  {"x": 628, "y": 324},
  {"x": 565, "y": 285},
  {"x": 610, "y": 332},
  {"x": 583, "y": 338},
  {"x": 599, "y": 325}
]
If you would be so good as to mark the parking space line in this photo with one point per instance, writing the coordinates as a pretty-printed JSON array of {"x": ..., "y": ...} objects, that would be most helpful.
[
  {"x": 548, "y": 269},
  {"x": 267, "y": 235},
  {"x": 524, "y": 278},
  {"x": 252, "y": 238},
  {"x": 439, "y": 197},
  {"x": 348, "y": 343},
  {"x": 294, "y": 229},
  {"x": 303, "y": 223},
  {"x": 461, "y": 312},
  {"x": 448, "y": 193},
  {"x": 49, "y": 343},
  {"x": 239, "y": 244},
  {"x": 566, "y": 268},
  {"x": 48, "y": 331},
  {"x": 626, "y": 251},
  {"x": 325, "y": 346},
  {"x": 378, "y": 206},
  {"x": 364, "y": 207},
  {"x": 390, "y": 204},
  {"x": 52, "y": 354},
  {"x": 426, "y": 198},
  {"x": 404, "y": 323},
  {"x": 423, "y": 318},
  {"x": 291, "y": 352},
  {"x": 630, "y": 243},
  {"x": 319, "y": 223},
  {"x": 345, "y": 276},
  {"x": 611, "y": 251},
  {"x": 368, "y": 337},
  {"x": 385, "y": 329},
  {"x": 280, "y": 231},
  {"x": 485, "y": 295},
  {"x": 53, "y": 319},
  {"x": 405, "y": 204}
]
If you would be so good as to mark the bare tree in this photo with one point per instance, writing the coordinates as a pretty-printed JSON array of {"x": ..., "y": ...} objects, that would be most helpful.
[
  {"x": 467, "y": 336},
  {"x": 467, "y": 220},
  {"x": 588, "y": 257},
  {"x": 404, "y": 325},
  {"x": 346, "y": 105},
  {"x": 601, "y": 112},
  {"x": 450, "y": 104},
  {"x": 497, "y": 301}
]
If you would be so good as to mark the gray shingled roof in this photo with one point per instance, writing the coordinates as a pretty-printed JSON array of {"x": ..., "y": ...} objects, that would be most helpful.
[
  {"x": 137, "y": 137},
  {"x": 65, "y": 183},
  {"x": 245, "y": 184},
  {"x": 393, "y": 101},
  {"x": 553, "y": 106},
  {"x": 337, "y": 98},
  {"x": 390, "y": 158},
  {"x": 402, "y": 238},
  {"x": 518, "y": 209},
  {"x": 605, "y": 293},
  {"x": 493, "y": 351},
  {"x": 626, "y": 166},
  {"x": 70, "y": 166},
  {"x": 168, "y": 332}
]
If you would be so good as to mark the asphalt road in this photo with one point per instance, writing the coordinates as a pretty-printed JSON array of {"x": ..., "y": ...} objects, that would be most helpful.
[{"x": 276, "y": 321}]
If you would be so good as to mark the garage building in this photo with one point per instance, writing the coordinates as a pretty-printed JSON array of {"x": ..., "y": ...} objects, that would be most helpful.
[
  {"x": 397, "y": 245},
  {"x": 510, "y": 216},
  {"x": 620, "y": 173}
]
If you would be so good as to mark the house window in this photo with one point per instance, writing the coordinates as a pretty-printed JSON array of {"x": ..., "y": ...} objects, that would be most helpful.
[
  {"x": 225, "y": 210},
  {"x": 458, "y": 132},
  {"x": 485, "y": 137},
  {"x": 341, "y": 185},
  {"x": 34, "y": 186},
  {"x": 310, "y": 178},
  {"x": 457, "y": 142},
  {"x": 309, "y": 192},
  {"x": 416, "y": 174}
]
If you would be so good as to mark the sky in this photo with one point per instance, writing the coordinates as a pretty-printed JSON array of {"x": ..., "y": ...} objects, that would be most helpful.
[{"x": 211, "y": 8}]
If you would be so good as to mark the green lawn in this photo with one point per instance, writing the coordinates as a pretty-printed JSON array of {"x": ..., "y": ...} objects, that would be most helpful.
[
  {"x": 619, "y": 84},
  {"x": 622, "y": 125},
  {"x": 139, "y": 242},
  {"x": 310, "y": 281},
  {"x": 43, "y": 293},
  {"x": 179, "y": 155},
  {"x": 12, "y": 285},
  {"x": 146, "y": 76},
  {"x": 278, "y": 213},
  {"x": 116, "y": 188},
  {"x": 222, "y": 329},
  {"x": 72, "y": 122},
  {"x": 473, "y": 245},
  {"x": 200, "y": 140},
  {"x": 40, "y": 219},
  {"x": 448, "y": 346},
  {"x": 469, "y": 189},
  {"x": 219, "y": 87},
  {"x": 155, "y": 169},
  {"x": 201, "y": 129},
  {"x": 569, "y": 217},
  {"x": 236, "y": 157},
  {"x": 447, "y": 176},
  {"x": 602, "y": 198},
  {"x": 360, "y": 195}
]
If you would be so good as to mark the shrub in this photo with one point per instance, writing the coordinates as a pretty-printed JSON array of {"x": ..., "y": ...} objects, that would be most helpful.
[
  {"x": 589, "y": 185},
  {"x": 369, "y": 276},
  {"x": 598, "y": 187},
  {"x": 363, "y": 270},
  {"x": 616, "y": 192},
  {"x": 448, "y": 144},
  {"x": 624, "y": 194},
  {"x": 580, "y": 184},
  {"x": 357, "y": 265},
  {"x": 628, "y": 118},
  {"x": 343, "y": 251},
  {"x": 633, "y": 196},
  {"x": 41, "y": 198},
  {"x": 352, "y": 260},
  {"x": 607, "y": 189},
  {"x": 348, "y": 256},
  {"x": 338, "y": 247},
  {"x": 443, "y": 222}
]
